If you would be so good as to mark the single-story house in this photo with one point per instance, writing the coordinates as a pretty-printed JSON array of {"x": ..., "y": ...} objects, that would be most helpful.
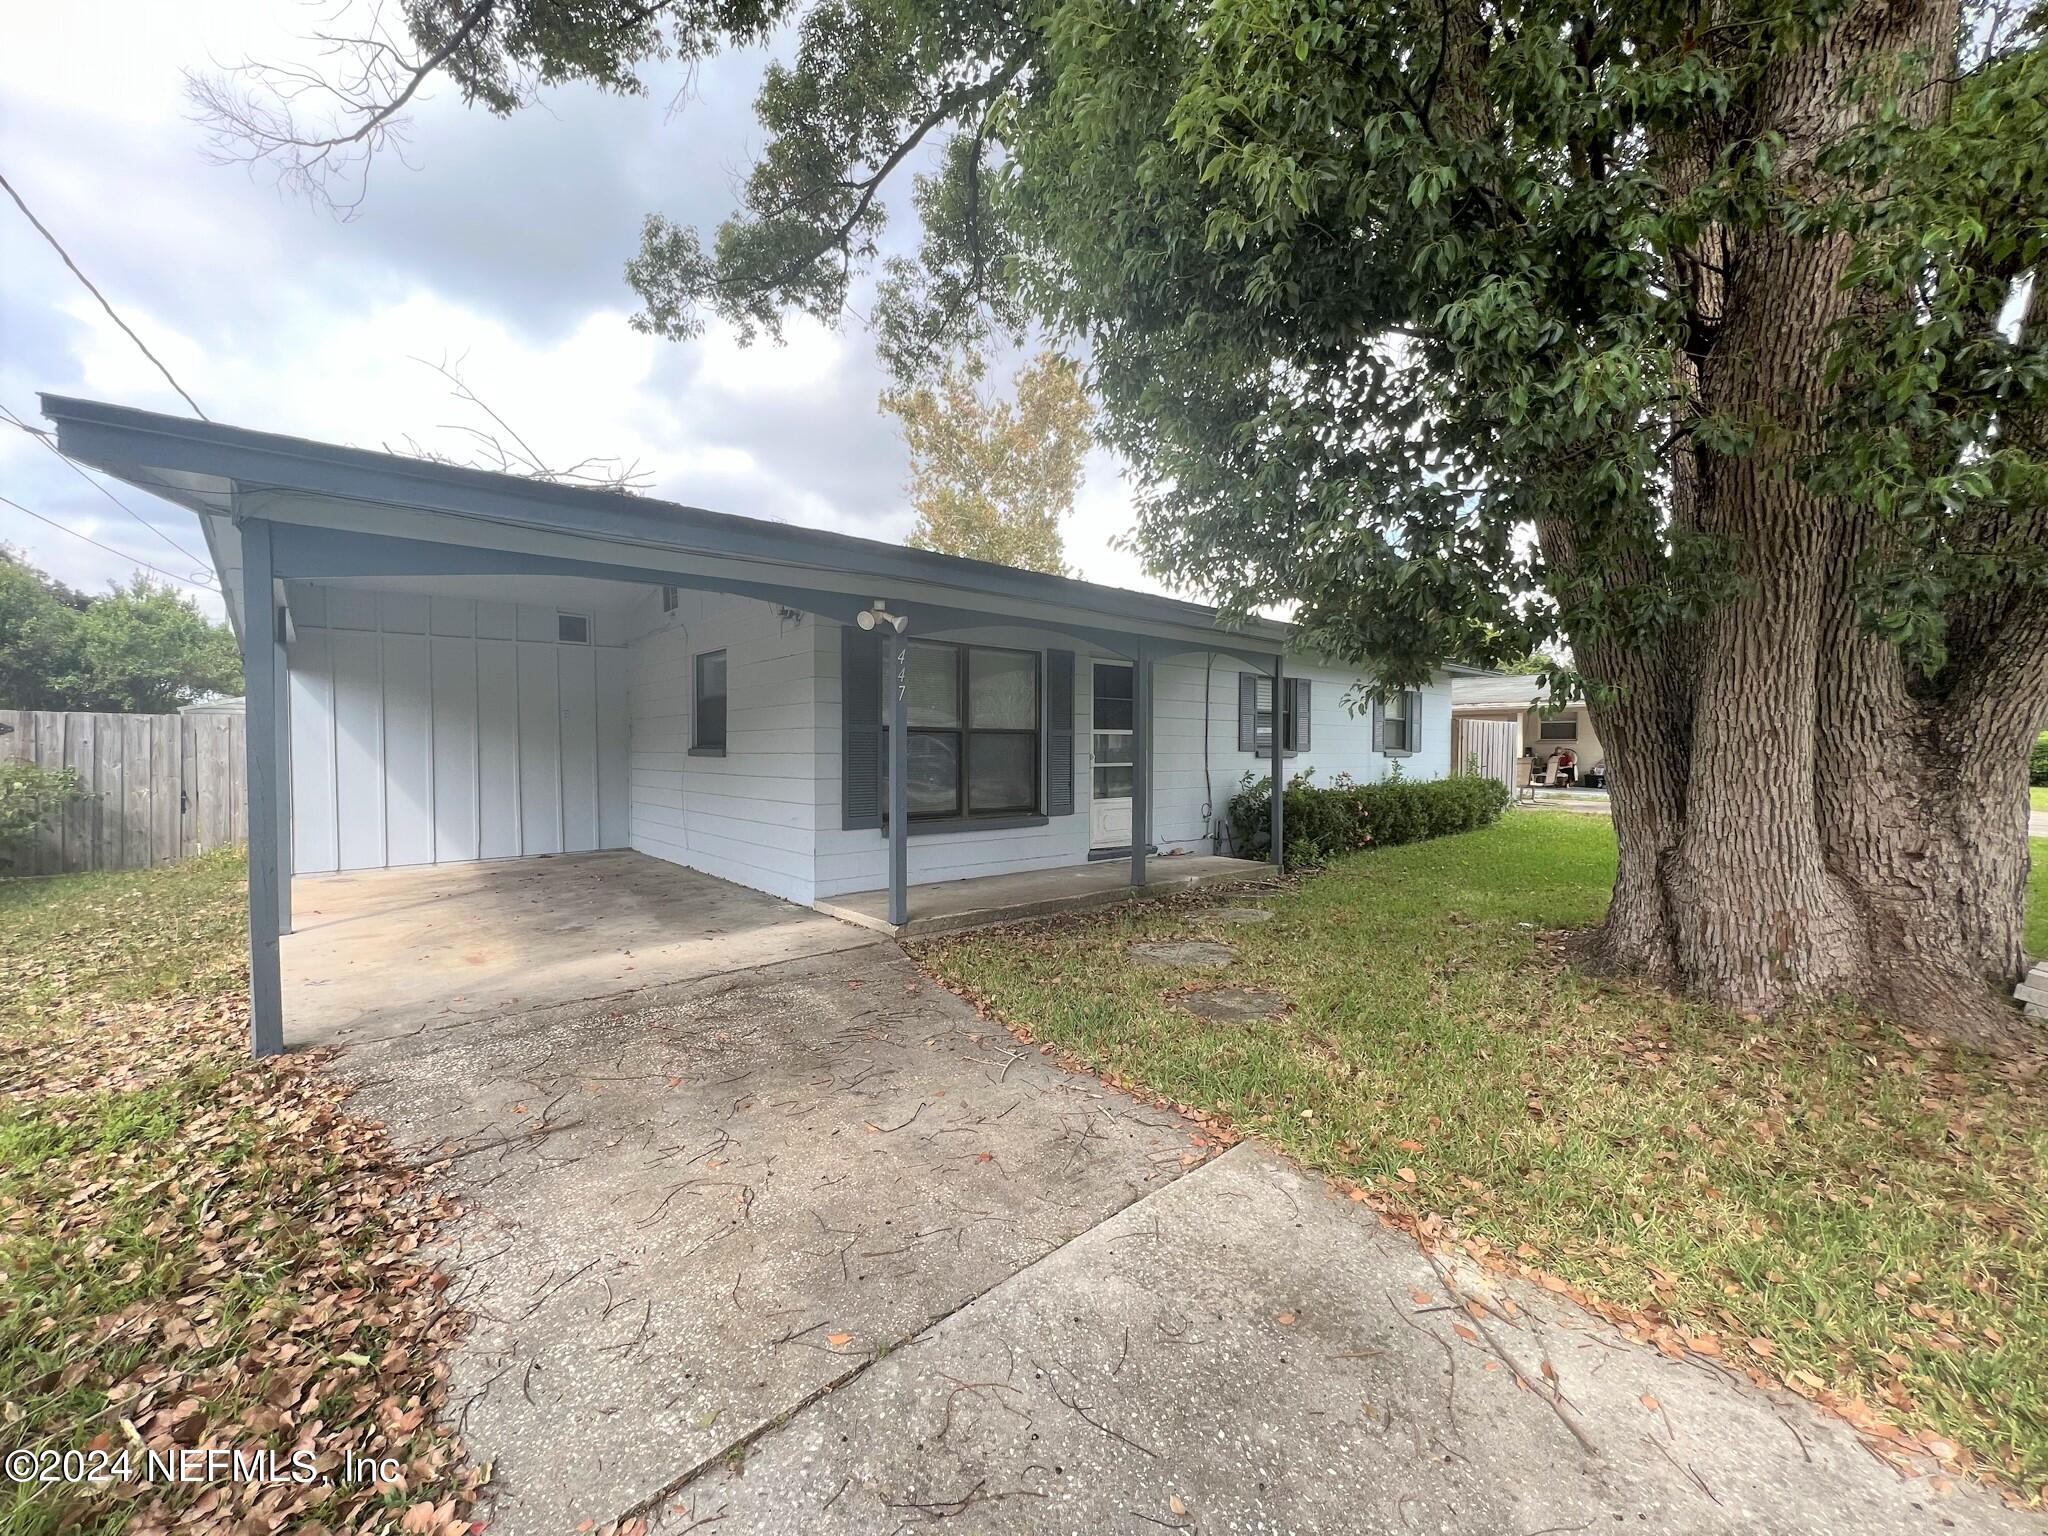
[
  {"x": 447, "y": 664},
  {"x": 1544, "y": 729}
]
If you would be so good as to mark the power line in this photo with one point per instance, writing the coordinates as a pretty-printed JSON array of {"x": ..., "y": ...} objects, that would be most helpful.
[
  {"x": 66, "y": 255},
  {"x": 96, "y": 544},
  {"x": 44, "y": 439}
]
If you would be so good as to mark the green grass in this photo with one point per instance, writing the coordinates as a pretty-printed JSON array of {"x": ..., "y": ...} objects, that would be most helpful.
[
  {"x": 166, "y": 1206},
  {"x": 1860, "y": 1214},
  {"x": 2037, "y": 797}
]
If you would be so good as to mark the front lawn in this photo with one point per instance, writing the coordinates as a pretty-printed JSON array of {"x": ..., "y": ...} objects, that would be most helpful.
[
  {"x": 1859, "y": 1213},
  {"x": 197, "y": 1251}
]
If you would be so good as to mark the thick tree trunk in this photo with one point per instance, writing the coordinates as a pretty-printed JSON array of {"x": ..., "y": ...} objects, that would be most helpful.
[{"x": 1794, "y": 820}]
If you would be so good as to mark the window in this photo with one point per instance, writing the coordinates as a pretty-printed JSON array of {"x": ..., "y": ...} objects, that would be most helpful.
[
  {"x": 1564, "y": 729},
  {"x": 708, "y": 738},
  {"x": 1397, "y": 728},
  {"x": 973, "y": 716},
  {"x": 1115, "y": 711},
  {"x": 572, "y": 628},
  {"x": 1262, "y": 726},
  {"x": 670, "y": 596}
]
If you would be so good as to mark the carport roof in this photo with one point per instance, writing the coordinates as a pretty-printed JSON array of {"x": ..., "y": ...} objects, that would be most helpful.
[{"x": 207, "y": 466}]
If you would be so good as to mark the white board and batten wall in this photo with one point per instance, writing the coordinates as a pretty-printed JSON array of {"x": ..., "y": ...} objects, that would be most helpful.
[
  {"x": 429, "y": 729},
  {"x": 433, "y": 729}
]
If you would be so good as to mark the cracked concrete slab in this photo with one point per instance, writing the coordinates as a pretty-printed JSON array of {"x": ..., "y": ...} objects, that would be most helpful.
[
  {"x": 692, "y": 1209},
  {"x": 1243, "y": 1352}
]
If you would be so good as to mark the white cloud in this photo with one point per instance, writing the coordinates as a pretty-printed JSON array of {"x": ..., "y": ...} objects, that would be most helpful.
[{"x": 501, "y": 245}]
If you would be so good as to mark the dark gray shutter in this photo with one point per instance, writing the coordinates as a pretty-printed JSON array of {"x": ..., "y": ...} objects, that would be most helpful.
[
  {"x": 860, "y": 728},
  {"x": 1059, "y": 733},
  {"x": 1379, "y": 726},
  {"x": 1414, "y": 720},
  {"x": 1301, "y": 730},
  {"x": 1247, "y": 711}
]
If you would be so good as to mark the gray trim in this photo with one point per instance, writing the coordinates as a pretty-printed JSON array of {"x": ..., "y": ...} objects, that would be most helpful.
[
  {"x": 1279, "y": 752},
  {"x": 1141, "y": 761},
  {"x": 259, "y": 667},
  {"x": 705, "y": 752},
  {"x": 1060, "y": 797},
  {"x": 1247, "y": 711},
  {"x": 920, "y": 828},
  {"x": 895, "y": 682},
  {"x": 860, "y": 729},
  {"x": 126, "y": 441}
]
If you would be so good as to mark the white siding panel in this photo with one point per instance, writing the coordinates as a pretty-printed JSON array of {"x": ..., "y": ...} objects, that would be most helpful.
[
  {"x": 408, "y": 749},
  {"x": 359, "y": 747},
  {"x": 456, "y": 757},
  {"x": 614, "y": 789},
  {"x": 312, "y": 721},
  {"x": 497, "y": 691},
  {"x": 578, "y": 672},
  {"x": 540, "y": 755},
  {"x": 419, "y": 737}
]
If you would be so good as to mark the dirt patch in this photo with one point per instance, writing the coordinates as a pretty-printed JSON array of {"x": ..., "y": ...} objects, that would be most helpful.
[
  {"x": 1176, "y": 952},
  {"x": 1232, "y": 1005}
]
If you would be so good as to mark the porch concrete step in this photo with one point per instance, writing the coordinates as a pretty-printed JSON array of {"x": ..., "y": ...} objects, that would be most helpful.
[{"x": 2033, "y": 992}]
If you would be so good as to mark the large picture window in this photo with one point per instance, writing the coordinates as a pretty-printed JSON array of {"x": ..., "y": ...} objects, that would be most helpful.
[{"x": 973, "y": 746}]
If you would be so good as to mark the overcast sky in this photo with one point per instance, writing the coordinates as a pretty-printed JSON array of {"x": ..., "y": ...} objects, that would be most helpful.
[{"x": 501, "y": 244}]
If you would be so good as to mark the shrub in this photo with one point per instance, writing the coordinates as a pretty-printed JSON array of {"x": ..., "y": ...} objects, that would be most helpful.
[
  {"x": 29, "y": 796},
  {"x": 1342, "y": 817},
  {"x": 2037, "y": 761}
]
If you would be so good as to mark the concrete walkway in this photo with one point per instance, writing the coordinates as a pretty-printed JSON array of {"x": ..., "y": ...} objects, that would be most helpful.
[{"x": 808, "y": 1247}]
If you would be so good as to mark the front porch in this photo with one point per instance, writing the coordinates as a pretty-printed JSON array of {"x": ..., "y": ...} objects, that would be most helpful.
[{"x": 953, "y": 906}]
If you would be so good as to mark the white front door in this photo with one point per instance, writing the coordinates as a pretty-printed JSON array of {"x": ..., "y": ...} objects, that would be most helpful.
[{"x": 1109, "y": 800}]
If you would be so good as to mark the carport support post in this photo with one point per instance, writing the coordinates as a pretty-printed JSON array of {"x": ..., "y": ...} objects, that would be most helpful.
[
  {"x": 1141, "y": 761},
  {"x": 260, "y": 736},
  {"x": 898, "y": 662},
  {"x": 1279, "y": 752}
]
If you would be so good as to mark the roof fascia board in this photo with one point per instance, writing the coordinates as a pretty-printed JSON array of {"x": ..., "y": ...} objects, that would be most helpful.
[
  {"x": 112, "y": 436},
  {"x": 421, "y": 533}
]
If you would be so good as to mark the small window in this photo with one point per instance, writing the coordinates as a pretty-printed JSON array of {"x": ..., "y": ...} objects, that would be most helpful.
[
  {"x": 1396, "y": 732},
  {"x": 1565, "y": 728},
  {"x": 572, "y": 628},
  {"x": 670, "y": 596},
  {"x": 709, "y": 735}
]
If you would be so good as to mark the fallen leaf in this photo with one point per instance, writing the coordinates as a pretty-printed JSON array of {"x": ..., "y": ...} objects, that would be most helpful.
[
  {"x": 836, "y": 1340},
  {"x": 1469, "y": 1335},
  {"x": 1405, "y": 1175},
  {"x": 1175, "y": 1503},
  {"x": 1421, "y": 1298},
  {"x": 1408, "y": 1146},
  {"x": 1650, "y": 1402},
  {"x": 1285, "y": 1319}
]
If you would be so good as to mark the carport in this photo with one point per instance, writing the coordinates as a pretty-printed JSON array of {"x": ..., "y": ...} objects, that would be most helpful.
[{"x": 470, "y": 562}]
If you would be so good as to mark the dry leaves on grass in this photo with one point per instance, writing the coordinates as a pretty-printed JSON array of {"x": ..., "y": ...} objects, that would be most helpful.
[{"x": 271, "y": 1248}]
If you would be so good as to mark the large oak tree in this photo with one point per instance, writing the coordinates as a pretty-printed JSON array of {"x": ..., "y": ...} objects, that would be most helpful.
[{"x": 1703, "y": 338}]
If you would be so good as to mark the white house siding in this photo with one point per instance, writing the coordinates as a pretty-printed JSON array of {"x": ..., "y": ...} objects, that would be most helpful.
[
  {"x": 1339, "y": 741},
  {"x": 437, "y": 729},
  {"x": 751, "y": 815}
]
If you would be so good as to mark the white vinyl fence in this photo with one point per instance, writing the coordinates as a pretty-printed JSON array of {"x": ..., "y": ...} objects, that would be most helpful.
[{"x": 163, "y": 787}]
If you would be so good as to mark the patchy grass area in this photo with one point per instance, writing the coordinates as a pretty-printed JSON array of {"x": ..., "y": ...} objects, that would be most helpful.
[
  {"x": 196, "y": 1250},
  {"x": 1842, "y": 1206},
  {"x": 2037, "y": 901},
  {"x": 2037, "y": 797}
]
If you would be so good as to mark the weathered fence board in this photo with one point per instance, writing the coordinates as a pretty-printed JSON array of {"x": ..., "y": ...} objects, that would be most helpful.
[
  {"x": 1488, "y": 746},
  {"x": 162, "y": 787}
]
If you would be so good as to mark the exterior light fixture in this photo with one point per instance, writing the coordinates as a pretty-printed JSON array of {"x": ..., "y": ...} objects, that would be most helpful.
[{"x": 879, "y": 617}]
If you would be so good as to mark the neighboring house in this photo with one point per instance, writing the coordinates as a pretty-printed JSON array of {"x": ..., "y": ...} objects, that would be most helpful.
[
  {"x": 1544, "y": 728},
  {"x": 478, "y": 666}
]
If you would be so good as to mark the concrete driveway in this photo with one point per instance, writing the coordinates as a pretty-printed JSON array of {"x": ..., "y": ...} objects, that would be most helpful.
[{"x": 804, "y": 1246}]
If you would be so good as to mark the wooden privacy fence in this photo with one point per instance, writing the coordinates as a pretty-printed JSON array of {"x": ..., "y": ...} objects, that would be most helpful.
[
  {"x": 162, "y": 787},
  {"x": 1495, "y": 744}
]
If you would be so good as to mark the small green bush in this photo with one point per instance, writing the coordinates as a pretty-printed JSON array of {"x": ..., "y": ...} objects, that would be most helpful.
[
  {"x": 29, "y": 796},
  {"x": 2037, "y": 762},
  {"x": 1344, "y": 816}
]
